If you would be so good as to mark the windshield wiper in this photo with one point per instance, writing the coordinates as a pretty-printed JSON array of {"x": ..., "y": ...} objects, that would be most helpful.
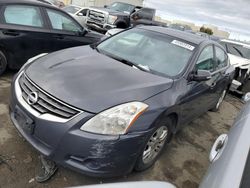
[{"x": 138, "y": 66}]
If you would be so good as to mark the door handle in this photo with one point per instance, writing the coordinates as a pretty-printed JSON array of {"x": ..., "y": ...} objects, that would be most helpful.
[
  {"x": 11, "y": 33},
  {"x": 60, "y": 37},
  {"x": 213, "y": 85},
  {"x": 218, "y": 147}
]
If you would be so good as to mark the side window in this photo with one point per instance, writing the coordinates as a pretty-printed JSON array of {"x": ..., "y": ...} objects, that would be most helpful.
[
  {"x": 144, "y": 13},
  {"x": 233, "y": 49},
  {"x": 206, "y": 59},
  {"x": 221, "y": 58},
  {"x": 84, "y": 12},
  {"x": 23, "y": 15},
  {"x": 62, "y": 22},
  {"x": 224, "y": 45}
]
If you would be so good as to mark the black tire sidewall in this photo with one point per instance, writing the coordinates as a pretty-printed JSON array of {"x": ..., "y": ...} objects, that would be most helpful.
[
  {"x": 3, "y": 62},
  {"x": 140, "y": 165}
]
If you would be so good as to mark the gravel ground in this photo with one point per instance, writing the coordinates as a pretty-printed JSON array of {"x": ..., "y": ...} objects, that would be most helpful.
[{"x": 183, "y": 162}]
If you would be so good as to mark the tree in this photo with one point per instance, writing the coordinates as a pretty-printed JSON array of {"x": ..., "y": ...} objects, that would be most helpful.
[
  {"x": 202, "y": 29},
  {"x": 206, "y": 30}
]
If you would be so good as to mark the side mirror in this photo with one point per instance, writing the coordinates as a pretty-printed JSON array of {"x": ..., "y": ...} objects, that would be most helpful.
[
  {"x": 82, "y": 32},
  {"x": 80, "y": 14},
  {"x": 202, "y": 75},
  {"x": 135, "y": 16}
]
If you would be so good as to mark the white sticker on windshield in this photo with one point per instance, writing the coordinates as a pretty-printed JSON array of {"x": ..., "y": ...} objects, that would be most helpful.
[{"x": 183, "y": 45}]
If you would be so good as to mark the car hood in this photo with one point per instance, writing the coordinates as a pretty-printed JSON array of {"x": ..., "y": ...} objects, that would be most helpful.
[
  {"x": 110, "y": 11},
  {"x": 240, "y": 62},
  {"x": 93, "y": 82}
]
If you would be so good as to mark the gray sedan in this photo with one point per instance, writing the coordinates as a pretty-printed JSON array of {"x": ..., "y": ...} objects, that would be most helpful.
[{"x": 230, "y": 159}]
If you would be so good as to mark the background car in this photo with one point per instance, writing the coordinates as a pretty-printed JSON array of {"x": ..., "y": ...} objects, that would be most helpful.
[
  {"x": 56, "y": 3},
  {"x": 230, "y": 157},
  {"x": 115, "y": 15},
  {"x": 79, "y": 13},
  {"x": 113, "y": 32},
  {"x": 111, "y": 108},
  {"x": 239, "y": 54},
  {"x": 30, "y": 28}
]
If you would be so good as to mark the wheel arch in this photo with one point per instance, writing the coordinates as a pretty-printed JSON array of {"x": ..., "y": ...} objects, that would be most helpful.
[
  {"x": 121, "y": 24},
  {"x": 4, "y": 51}
]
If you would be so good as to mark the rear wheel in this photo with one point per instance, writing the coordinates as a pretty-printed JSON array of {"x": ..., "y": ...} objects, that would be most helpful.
[
  {"x": 3, "y": 63},
  {"x": 154, "y": 145}
]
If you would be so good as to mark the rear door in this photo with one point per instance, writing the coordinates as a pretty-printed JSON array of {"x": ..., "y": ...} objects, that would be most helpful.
[
  {"x": 222, "y": 77},
  {"x": 23, "y": 33},
  {"x": 65, "y": 31}
]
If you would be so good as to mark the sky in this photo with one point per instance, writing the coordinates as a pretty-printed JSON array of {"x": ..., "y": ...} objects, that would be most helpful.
[{"x": 228, "y": 15}]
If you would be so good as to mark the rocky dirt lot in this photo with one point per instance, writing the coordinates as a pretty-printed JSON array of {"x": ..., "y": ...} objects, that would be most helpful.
[{"x": 183, "y": 163}]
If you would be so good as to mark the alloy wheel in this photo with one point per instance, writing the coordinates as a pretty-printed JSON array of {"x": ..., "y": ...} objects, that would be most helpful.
[{"x": 155, "y": 144}]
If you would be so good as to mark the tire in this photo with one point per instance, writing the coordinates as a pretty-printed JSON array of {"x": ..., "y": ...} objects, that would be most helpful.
[
  {"x": 3, "y": 63},
  {"x": 149, "y": 156},
  {"x": 220, "y": 100},
  {"x": 121, "y": 25}
]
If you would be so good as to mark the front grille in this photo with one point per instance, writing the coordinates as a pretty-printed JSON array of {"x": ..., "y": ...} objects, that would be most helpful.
[
  {"x": 45, "y": 103},
  {"x": 97, "y": 17}
]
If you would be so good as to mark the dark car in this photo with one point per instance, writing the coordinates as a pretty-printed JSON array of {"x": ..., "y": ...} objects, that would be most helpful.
[
  {"x": 107, "y": 109},
  {"x": 116, "y": 15},
  {"x": 29, "y": 28}
]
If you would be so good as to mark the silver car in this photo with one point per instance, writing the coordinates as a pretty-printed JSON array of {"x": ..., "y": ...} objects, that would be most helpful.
[
  {"x": 143, "y": 184},
  {"x": 229, "y": 157}
]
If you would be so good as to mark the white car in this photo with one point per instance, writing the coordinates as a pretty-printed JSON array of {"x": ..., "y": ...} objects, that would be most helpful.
[
  {"x": 113, "y": 31},
  {"x": 79, "y": 13},
  {"x": 56, "y": 3},
  {"x": 239, "y": 55}
]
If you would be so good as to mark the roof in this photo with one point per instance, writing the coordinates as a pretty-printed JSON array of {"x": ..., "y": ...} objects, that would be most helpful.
[
  {"x": 189, "y": 37},
  {"x": 31, "y": 2},
  {"x": 235, "y": 42}
]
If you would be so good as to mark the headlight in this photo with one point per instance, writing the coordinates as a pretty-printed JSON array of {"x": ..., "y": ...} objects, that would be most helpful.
[
  {"x": 32, "y": 60},
  {"x": 116, "y": 120},
  {"x": 112, "y": 19}
]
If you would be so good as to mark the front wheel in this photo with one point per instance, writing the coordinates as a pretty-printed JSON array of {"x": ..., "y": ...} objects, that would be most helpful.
[{"x": 154, "y": 146}]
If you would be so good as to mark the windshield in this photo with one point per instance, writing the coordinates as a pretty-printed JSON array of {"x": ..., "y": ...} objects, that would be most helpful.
[
  {"x": 122, "y": 7},
  {"x": 157, "y": 52},
  {"x": 238, "y": 50},
  {"x": 244, "y": 51},
  {"x": 71, "y": 9}
]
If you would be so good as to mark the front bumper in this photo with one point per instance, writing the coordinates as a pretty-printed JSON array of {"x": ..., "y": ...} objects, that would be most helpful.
[
  {"x": 100, "y": 27},
  {"x": 87, "y": 153}
]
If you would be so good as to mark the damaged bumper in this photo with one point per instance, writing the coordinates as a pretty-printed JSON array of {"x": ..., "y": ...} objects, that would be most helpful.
[
  {"x": 100, "y": 27},
  {"x": 87, "y": 153}
]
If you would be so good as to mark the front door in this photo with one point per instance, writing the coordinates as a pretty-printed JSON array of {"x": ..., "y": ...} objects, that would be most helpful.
[{"x": 200, "y": 94}]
